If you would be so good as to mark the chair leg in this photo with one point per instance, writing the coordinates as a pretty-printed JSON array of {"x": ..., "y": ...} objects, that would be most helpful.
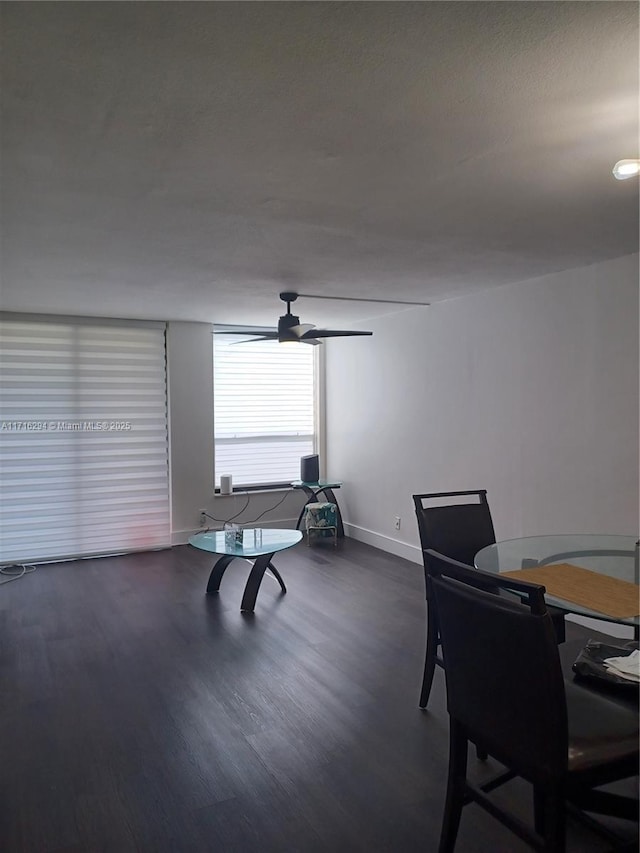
[
  {"x": 456, "y": 782},
  {"x": 552, "y": 818},
  {"x": 430, "y": 658},
  {"x": 539, "y": 804},
  {"x": 549, "y": 816}
]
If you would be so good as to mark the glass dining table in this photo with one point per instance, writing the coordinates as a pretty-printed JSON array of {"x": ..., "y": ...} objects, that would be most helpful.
[{"x": 581, "y": 572}]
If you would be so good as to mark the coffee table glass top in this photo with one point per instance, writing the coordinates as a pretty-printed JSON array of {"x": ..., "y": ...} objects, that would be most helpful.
[
  {"x": 614, "y": 556},
  {"x": 255, "y": 541}
]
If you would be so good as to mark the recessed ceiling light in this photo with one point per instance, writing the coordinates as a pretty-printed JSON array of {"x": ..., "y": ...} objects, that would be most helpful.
[{"x": 626, "y": 169}]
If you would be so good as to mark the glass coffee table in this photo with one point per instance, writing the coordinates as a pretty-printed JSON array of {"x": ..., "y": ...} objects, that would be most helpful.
[{"x": 258, "y": 546}]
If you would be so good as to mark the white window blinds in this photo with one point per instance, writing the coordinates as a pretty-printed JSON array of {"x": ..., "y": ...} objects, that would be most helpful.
[
  {"x": 264, "y": 409},
  {"x": 83, "y": 439}
]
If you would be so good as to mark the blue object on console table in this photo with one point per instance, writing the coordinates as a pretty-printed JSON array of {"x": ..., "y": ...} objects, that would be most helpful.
[
  {"x": 312, "y": 491},
  {"x": 321, "y": 517}
]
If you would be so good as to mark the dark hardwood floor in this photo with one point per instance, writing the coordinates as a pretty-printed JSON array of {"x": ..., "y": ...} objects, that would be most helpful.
[{"x": 139, "y": 714}]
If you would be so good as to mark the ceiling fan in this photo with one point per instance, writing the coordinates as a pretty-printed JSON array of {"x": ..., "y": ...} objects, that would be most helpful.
[{"x": 290, "y": 329}]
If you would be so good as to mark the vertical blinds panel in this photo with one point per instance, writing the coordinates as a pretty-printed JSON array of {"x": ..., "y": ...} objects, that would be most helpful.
[
  {"x": 264, "y": 409},
  {"x": 83, "y": 439}
]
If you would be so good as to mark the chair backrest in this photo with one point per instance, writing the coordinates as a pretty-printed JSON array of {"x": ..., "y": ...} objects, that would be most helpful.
[
  {"x": 458, "y": 530},
  {"x": 504, "y": 679}
]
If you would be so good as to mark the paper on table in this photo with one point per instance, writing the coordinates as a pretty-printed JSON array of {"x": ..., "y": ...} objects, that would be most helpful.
[{"x": 627, "y": 666}]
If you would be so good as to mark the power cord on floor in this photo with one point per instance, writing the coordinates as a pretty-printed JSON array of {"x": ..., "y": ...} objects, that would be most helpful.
[{"x": 15, "y": 572}]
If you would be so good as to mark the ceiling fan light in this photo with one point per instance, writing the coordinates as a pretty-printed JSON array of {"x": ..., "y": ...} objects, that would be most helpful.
[{"x": 626, "y": 169}]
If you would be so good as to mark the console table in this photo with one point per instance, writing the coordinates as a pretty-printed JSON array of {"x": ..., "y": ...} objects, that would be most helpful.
[{"x": 320, "y": 487}]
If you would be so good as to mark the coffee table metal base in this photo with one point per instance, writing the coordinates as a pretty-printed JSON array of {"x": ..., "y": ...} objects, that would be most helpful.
[{"x": 260, "y": 566}]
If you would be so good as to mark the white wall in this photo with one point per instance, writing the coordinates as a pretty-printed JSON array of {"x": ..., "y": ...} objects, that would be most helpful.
[
  {"x": 190, "y": 372},
  {"x": 529, "y": 391}
]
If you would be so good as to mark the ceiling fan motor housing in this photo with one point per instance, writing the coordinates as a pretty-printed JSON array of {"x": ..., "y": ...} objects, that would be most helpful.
[{"x": 284, "y": 324}]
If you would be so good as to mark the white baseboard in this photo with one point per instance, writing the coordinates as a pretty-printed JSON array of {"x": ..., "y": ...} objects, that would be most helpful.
[
  {"x": 384, "y": 543},
  {"x": 181, "y": 537}
]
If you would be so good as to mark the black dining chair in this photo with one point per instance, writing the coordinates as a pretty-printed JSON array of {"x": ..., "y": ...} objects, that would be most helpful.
[
  {"x": 506, "y": 694},
  {"x": 459, "y": 529}
]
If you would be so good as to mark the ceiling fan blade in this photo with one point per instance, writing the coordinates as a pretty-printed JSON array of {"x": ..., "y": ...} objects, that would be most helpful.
[
  {"x": 251, "y": 340},
  {"x": 268, "y": 334},
  {"x": 301, "y": 329},
  {"x": 313, "y": 341},
  {"x": 333, "y": 333}
]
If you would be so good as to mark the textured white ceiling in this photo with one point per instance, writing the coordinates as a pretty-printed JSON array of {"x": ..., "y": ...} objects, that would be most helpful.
[{"x": 187, "y": 160}]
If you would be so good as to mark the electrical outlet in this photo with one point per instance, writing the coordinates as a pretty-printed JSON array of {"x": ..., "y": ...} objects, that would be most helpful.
[
  {"x": 397, "y": 524},
  {"x": 203, "y": 518}
]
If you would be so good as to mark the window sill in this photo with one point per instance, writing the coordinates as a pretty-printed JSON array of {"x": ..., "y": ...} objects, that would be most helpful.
[{"x": 255, "y": 490}]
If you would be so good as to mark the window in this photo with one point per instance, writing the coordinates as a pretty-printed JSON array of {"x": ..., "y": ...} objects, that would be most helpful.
[
  {"x": 83, "y": 438},
  {"x": 264, "y": 409}
]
